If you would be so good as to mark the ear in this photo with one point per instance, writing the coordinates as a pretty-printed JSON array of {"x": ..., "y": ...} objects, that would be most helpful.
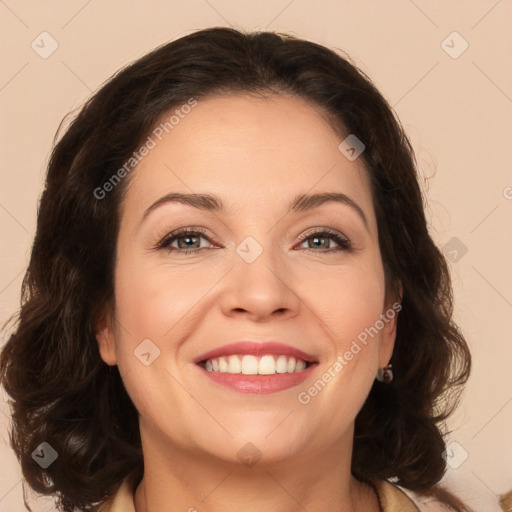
[
  {"x": 105, "y": 336},
  {"x": 388, "y": 333}
]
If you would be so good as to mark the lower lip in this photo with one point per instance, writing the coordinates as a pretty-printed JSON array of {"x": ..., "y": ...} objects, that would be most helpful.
[{"x": 259, "y": 383}]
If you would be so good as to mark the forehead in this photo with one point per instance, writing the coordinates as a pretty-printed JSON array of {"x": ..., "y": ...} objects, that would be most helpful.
[{"x": 247, "y": 150}]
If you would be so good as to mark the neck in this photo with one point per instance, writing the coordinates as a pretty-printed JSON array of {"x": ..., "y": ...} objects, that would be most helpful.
[{"x": 177, "y": 480}]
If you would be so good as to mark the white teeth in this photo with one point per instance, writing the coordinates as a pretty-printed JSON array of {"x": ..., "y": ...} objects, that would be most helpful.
[
  {"x": 249, "y": 365},
  {"x": 281, "y": 364},
  {"x": 267, "y": 365},
  {"x": 301, "y": 365},
  {"x": 223, "y": 365},
  {"x": 252, "y": 365},
  {"x": 234, "y": 365}
]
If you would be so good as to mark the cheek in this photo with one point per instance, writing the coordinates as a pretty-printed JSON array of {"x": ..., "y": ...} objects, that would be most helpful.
[
  {"x": 148, "y": 307},
  {"x": 150, "y": 301},
  {"x": 350, "y": 300},
  {"x": 353, "y": 305}
]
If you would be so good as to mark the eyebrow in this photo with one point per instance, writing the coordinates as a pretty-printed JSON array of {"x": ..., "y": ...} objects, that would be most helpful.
[{"x": 300, "y": 203}]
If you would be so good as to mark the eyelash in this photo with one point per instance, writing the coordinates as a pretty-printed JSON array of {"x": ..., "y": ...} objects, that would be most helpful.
[{"x": 165, "y": 243}]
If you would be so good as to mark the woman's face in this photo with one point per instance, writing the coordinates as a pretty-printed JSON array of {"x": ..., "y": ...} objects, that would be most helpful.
[{"x": 259, "y": 271}]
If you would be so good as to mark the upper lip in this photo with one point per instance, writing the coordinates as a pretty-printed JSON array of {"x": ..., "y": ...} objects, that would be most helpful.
[{"x": 256, "y": 349}]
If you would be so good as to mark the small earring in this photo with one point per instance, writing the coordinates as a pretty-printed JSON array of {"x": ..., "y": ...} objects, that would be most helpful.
[{"x": 385, "y": 374}]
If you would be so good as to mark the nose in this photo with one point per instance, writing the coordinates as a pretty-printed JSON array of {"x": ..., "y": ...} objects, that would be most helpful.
[{"x": 259, "y": 287}]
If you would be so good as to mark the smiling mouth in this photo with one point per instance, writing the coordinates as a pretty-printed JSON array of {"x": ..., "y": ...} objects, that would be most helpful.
[{"x": 267, "y": 364}]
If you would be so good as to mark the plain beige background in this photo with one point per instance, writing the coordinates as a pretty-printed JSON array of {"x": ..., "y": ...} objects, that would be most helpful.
[{"x": 455, "y": 103}]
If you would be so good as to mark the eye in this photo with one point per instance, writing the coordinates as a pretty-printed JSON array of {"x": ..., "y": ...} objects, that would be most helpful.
[
  {"x": 327, "y": 234},
  {"x": 188, "y": 241}
]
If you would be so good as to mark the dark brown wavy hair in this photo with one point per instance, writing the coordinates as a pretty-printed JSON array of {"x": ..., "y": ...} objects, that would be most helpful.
[{"x": 61, "y": 390}]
